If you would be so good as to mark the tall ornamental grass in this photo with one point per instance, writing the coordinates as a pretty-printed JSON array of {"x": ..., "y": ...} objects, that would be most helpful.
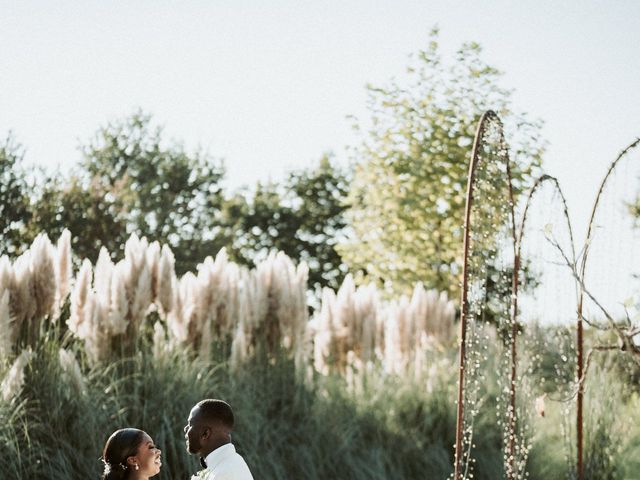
[
  {"x": 287, "y": 428},
  {"x": 33, "y": 289},
  {"x": 221, "y": 307},
  {"x": 361, "y": 388},
  {"x": 389, "y": 427}
]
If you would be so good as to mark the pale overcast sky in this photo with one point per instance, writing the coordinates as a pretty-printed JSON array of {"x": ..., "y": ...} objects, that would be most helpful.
[{"x": 267, "y": 85}]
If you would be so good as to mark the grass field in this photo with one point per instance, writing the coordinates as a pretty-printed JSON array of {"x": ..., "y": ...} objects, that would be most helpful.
[{"x": 374, "y": 426}]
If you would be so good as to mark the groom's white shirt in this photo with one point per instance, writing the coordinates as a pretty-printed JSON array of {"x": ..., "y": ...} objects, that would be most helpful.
[{"x": 224, "y": 463}]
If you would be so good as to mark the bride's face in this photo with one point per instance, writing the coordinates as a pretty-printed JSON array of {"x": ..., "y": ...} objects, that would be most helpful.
[{"x": 148, "y": 458}]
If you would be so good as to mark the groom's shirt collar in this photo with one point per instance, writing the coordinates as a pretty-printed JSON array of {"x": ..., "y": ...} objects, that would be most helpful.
[{"x": 218, "y": 455}]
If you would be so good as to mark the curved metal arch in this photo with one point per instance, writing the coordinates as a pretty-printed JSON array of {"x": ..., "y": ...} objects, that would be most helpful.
[
  {"x": 486, "y": 118},
  {"x": 517, "y": 234},
  {"x": 612, "y": 167},
  {"x": 520, "y": 235},
  {"x": 532, "y": 191},
  {"x": 580, "y": 323}
]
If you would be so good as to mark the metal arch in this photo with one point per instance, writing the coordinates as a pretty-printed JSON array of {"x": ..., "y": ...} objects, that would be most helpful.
[
  {"x": 579, "y": 326},
  {"x": 485, "y": 119},
  {"x": 539, "y": 181},
  {"x": 565, "y": 209},
  {"x": 612, "y": 167}
]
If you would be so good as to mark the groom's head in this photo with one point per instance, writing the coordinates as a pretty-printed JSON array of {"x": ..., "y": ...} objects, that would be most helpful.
[{"x": 209, "y": 426}]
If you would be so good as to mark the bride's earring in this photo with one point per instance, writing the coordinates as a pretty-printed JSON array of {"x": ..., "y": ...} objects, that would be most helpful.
[{"x": 137, "y": 467}]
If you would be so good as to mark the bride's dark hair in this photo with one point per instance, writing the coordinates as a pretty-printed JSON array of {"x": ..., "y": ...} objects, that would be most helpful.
[{"x": 121, "y": 445}]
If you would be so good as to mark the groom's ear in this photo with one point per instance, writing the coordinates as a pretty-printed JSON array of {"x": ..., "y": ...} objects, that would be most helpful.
[{"x": 206, "y": 432}]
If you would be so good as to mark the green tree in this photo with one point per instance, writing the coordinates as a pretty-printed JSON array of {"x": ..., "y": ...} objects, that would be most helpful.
[
  {"x": 14, "y": 199},
  {"x": 131, "y": 181},
  {"x": 94, "y": 218},
  {"x": 408, "y": 194},
  {"x": 303, "y": 216}
]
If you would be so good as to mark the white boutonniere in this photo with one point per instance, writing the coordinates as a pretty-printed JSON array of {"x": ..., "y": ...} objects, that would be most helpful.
[{"x": 201, "y": 475}]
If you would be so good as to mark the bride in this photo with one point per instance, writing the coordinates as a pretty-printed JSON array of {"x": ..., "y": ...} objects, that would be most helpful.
[{"x": 130, "y": 454}]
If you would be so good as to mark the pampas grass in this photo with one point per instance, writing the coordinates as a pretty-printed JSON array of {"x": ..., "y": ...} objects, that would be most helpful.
[
  {"x": 43, "y": 276},
  {"x": 375, "y": 401},
  {"x": 5, "y": 325},
  {"x": 33, "y": 284},
  {"x": 14, "y": 379},
  {"x": 72, "y": 372},
  {"x": 63, "y": 271},
  {"x": 222, "y": 306},
  {"x": 284, "y": 428},
  {"x": 354, "y": 328}
]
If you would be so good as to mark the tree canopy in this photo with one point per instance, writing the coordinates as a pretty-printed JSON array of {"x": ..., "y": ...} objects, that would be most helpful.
[
  {"x": 396, "y": 219},
  {"x": 301, "y": 216},
  {"x": 407, "y": 199},
  {"x": 14, "y": 198},
  {"x": 132, "y": 181}
]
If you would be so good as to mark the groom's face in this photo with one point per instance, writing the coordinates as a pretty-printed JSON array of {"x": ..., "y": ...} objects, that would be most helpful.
[{"x": 193, "y": 431}]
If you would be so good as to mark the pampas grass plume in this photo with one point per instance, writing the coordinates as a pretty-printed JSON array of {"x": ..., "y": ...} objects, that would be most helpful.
[
  {"x": 159, "y": 341},
  {"x": 6, "y": 330},
  {"x": 64, "y": 273},
  {"x": 6, "y": 273},
  {"x": 71, "y": 369},
  {"x": 14, "y": 380},
  {"x": 118, "y": 304},
  {"x": 43, "y": 276},
  {"x": 142, "y": 297},
  {"x": 22, "y": 306},
  {"x": 81, "y": 300},
  {"x": 239, "y": 350},
  {"x": 166, "y": 281},
  {"x": 153, "y": 262}
]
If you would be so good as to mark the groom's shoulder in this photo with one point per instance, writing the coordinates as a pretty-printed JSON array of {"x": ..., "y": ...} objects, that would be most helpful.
[
  {"x": 234, "y": 468},
  {"x": 231, "y": 474}
]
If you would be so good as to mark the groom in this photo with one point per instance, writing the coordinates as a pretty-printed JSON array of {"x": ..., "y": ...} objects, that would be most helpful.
[{"x": 208, "y": 434}]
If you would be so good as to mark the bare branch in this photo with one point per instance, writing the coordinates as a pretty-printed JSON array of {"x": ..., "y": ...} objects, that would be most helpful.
[
  {"x": 577, "y": 277},
  {"x": 580, "y": 382}
]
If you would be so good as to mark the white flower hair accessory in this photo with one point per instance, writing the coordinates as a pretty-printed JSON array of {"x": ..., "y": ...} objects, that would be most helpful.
[{"x": 108, "y": 468}]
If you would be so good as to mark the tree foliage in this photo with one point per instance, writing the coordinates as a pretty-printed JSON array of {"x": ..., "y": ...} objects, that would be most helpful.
[
  {"x": 303, "y": 216},
  {"x": 14, "y": 198},
  {"x": 408, "y": 195},
  {"x": 94, "y": 218},
  {"x": 130, "y": 181}
]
